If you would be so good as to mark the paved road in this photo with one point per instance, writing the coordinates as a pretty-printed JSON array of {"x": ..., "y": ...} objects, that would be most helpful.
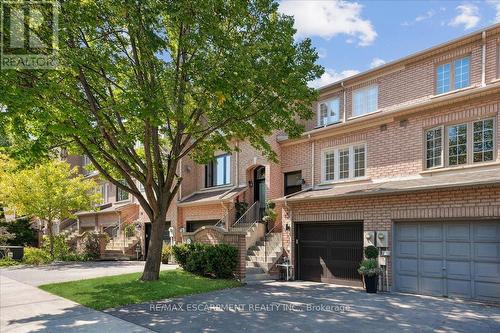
[
  {"x": 283, "y": 307},
  {"x": 25, "y": 308},
  {"x": 70, "y": 271}
]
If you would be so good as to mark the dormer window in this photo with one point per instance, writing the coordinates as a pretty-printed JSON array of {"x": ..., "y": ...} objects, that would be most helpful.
[{"x": 328, "y": 112}]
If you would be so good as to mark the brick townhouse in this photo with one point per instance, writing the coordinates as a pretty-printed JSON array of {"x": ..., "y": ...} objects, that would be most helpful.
[{"x": 404, "y": 156}]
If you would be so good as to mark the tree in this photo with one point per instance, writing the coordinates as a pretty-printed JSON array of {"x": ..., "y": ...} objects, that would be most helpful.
[
  {"x": 50, "y": 192},
  {"x": 142, "y": 84}
]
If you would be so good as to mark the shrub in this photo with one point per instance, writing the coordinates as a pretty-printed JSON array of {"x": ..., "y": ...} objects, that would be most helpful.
[
  {"x": 165, "y": 254},
  {"x": 369, "y": 267},
  {"x": 73, "y": 256},
  {"x": 61, "y": 248},
  {"x": 197, "y": 259},
  {"x": 8, "y": 261},
  {"x": 371, "y": 252},
  {"x": 36, "y": 256},
  {"x": 92, "y": 244},
  {"x": 24, "y": 235},
  {"x": 222, "y": 260},
  {"x": 218, "y": 260},
  {"x": 181, "y": 253}
]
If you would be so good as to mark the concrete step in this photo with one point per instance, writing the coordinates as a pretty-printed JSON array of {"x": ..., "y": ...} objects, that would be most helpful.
[{"x": 269, "y": 260}]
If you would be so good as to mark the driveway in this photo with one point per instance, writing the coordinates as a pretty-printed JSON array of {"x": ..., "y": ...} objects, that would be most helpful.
[
  {"x": 25, "y": 308},
  {"x": 70, "y": 271},
  {"x": 310, "y": 307}
]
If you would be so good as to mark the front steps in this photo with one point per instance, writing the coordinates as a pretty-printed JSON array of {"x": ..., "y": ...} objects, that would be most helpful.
[
  {"x": 115, "y": 255},
  {"x": 265, "y": 253},
  {"x": 119, "y": 248}
]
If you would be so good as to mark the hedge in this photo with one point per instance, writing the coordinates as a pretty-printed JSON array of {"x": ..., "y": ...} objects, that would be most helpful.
[{"x": 219, "y": 261}]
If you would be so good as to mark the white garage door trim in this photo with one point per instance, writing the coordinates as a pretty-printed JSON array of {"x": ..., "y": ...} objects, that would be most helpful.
[{"x": 448, "y": 258}]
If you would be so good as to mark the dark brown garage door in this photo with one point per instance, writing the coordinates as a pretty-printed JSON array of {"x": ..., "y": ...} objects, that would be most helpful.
[{"x": 330, "y": 252}]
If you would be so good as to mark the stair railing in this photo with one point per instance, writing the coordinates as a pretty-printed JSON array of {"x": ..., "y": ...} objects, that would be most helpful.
[
  {"x": 265, "y": 240},
  {"x": 224, "y": 221},
  {"x": 250, "y": 216}
]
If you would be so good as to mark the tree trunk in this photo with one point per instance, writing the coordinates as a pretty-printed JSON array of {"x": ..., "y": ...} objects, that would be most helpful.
[
  {"x": 51, "y": 239},
  {"x": 153, "y": 260}
]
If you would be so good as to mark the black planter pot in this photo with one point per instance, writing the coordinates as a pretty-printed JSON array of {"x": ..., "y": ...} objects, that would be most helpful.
[{"x": 371, "y": 284}]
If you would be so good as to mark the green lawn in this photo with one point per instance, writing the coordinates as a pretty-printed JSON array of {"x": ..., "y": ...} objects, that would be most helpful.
[{"x": 112, "y": 291}]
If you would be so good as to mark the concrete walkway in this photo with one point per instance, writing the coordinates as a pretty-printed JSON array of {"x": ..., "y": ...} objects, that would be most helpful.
[{"x": 24, "y": 308}]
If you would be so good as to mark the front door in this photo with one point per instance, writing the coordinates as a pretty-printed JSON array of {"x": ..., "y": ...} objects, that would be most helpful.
[{"x": 260, "y": 189}]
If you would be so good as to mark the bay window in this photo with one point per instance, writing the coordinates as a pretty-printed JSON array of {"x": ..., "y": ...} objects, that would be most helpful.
[
  {"x": 344, "y": 163},
  {"x": 466, "y": 143}
]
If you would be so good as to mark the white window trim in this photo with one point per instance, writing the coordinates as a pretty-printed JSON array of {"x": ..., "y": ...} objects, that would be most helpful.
[
  {"x": 444, "y": 140},
  {"x": 329, "y": 118},
  {"x": 452, "y": 76},
  {"x": 352, "y": 101},
  {"x": 105, "y": 191},
  {"x": 468, "y": 145},
  {"x": 335, "y": 150}
]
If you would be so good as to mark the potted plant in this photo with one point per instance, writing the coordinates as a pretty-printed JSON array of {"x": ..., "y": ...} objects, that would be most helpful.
[{"x": 370, "y": 269}]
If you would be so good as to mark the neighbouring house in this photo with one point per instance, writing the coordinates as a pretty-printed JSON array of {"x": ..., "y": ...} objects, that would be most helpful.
[{"x": 404, "y": 156}]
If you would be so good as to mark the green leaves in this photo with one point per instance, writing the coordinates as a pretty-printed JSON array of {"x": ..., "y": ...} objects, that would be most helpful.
[{"x": 142, "y": 84}]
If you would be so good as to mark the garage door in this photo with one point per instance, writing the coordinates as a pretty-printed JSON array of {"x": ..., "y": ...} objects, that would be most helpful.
[
  {"x": 459, "y": 259},
  {"x": 330, "y": 252}
]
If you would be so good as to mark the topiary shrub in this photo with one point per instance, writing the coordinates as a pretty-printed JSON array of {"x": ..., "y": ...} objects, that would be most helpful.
[
  {"x": 369, "y": 267},
  {"x": 36, "y": 256},
  {"x": 166, "y": 252},
  {"x": 222, "y": 260},
  {"x": 371, "y": 252}
]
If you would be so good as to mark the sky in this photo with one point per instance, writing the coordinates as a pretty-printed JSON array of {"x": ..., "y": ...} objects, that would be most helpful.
[{"x": 354, "y": 36}]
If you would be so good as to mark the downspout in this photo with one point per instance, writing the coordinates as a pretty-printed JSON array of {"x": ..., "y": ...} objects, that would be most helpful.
[
  {"x": 344, "y": 116},
  {"x": 237, "y": 162},
  {"x": 483, "y": 60},
  {"x": 312, "y": 161}
]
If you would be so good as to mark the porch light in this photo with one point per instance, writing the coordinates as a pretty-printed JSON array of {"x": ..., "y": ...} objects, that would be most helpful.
[{"x": 250, "y": 183}]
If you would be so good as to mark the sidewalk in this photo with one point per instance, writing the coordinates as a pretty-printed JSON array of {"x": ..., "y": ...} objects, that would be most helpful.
[{"x": 24, "y": 308}]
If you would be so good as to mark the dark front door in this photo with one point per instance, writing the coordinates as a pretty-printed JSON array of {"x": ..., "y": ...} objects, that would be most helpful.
[
  {"x": 147, "y": 236},
  {"x": 260, "y": 188},
  {"x": 330, "y": 252}
]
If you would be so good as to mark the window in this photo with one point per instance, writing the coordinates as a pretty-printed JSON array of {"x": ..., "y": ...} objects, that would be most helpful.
[
  {"x": 443, "y": 79},
  {"x": 462, "y": 73},
  {"x": 330, "y": 165},
  {"x": 454, "y": 74},
  {"x": 328, "y": 112},
  {"x": 104, "y": 193},
  {"x": 121, "y": 195},
  {"x": 359, "y": 161},
  {"x": 217, "y": 172},
  {"x": 483, "y": 141},
  {"x": 365, "y": 100},
  {"x": 87, "y": 165},
  {"x": 293, "y": 182},
  {"x": 434, "y": 147},
  {"x": 457, "y": 144},
  {"x": 344, "y": 163}
]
